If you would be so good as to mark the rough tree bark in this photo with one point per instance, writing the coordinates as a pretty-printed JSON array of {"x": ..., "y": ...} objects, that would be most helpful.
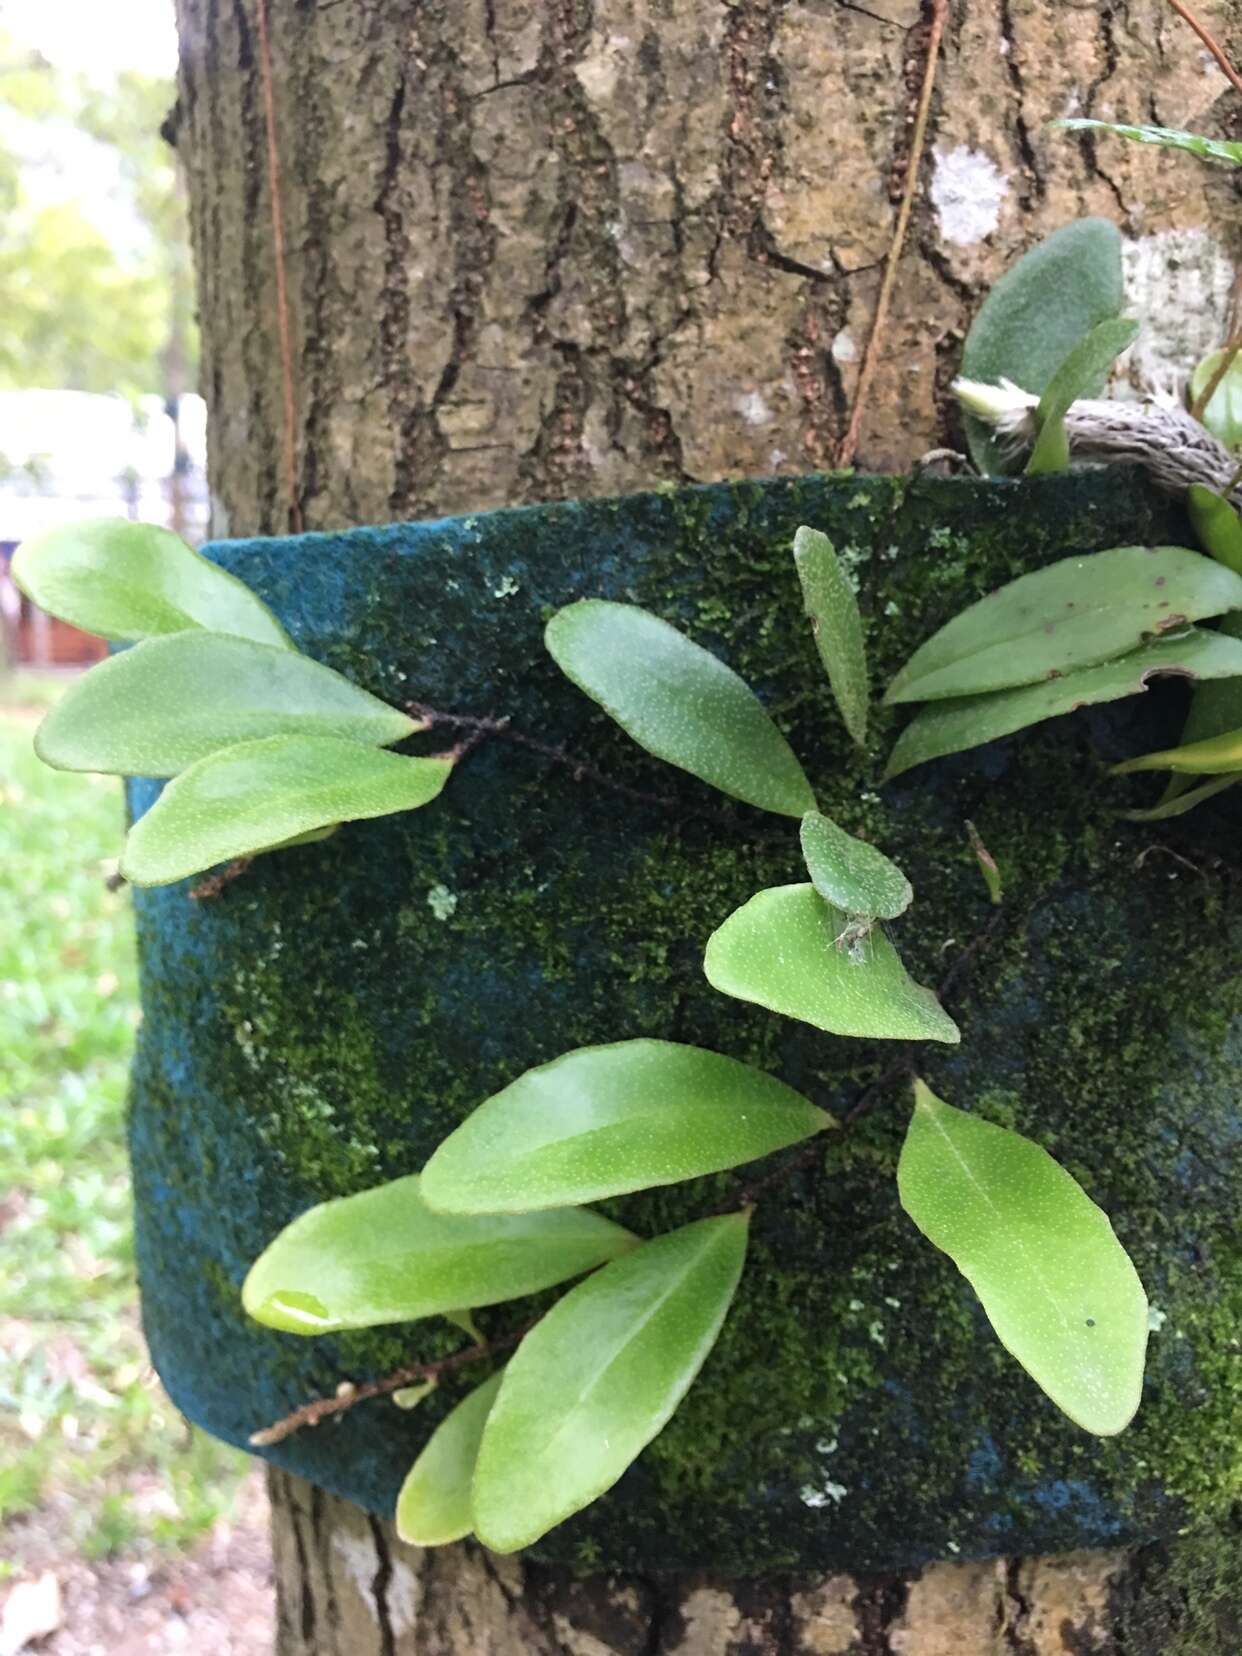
[{"x": 540, "y": 248}]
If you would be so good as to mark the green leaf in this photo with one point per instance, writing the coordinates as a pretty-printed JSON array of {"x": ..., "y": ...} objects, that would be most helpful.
[
  {"x": 1207, "y": 149},
  {"x": 966, "y": 721},
  {"x": 1211, "y": 757},
  {"x": 1223, "y": 414},
  {"x": 1177, "y": 804},
  {"x": 384, "y": 1257},
  {"x": 850, "y": 874},
  {"x": 162, "y": 705},
  {"x": 259, "y": 795},
  {"x": 1072, "y": 614},
  {"x": 1215, "y": 708},
  {"x": 131, "y": 580},
  {"x": 1036, "y": 313},
  {"x": 599, "y": 1377},
  {"x": 1217, "y": 525},
  {"x": 604, "y": 1120},
  {"x": 1085, "y": 366},
  {"x": 1057, "y": 1286},
  {"x": 678, "y": 701},
  {"x": 433, "y": 1506},
  {"x": 837, "y": 625},
  {"x": 785, "y": 949}
]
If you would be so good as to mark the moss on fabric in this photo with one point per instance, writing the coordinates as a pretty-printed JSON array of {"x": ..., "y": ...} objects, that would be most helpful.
[{"x": 331, "y": 1016}]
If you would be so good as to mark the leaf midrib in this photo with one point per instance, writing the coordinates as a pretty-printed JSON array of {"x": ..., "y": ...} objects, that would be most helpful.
[
  {"x": 618, "y": 1348},
  {"x": 1017, "y": 1243}
]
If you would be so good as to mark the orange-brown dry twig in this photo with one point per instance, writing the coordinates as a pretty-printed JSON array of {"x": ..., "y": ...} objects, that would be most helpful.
[
  {"x": 1209, "y": 40},
  {"x": 918, "y": 140},
  {"x": 278, "y": 259},
  {"x": 310, "y": 1414}
]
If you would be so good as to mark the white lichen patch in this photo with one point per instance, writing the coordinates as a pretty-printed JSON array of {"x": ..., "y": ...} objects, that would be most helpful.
[
  {"x": 753, "y": 409},
  {"x": 402, "y": 1595},
  {"x": 1156, "y": 1319},
  {"x": 442, "y": 902},
  {"x": 819, "y": 1497},
  {"x": 1178, "y": 285},
  {"x": 843, "y": 347},
  {"x": 506, "y": 587},
  {"x": 967, "y": 189}
]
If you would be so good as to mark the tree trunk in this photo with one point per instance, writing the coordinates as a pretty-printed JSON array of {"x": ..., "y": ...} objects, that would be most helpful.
[{"x": 542, "y": 248}]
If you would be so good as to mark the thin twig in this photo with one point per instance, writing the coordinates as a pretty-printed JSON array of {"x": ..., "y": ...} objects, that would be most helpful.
[
  {"x": 310, "y": 1414},
  {"x": 482, "y": 728},
  {"x": 1229, "y": 356},
  {"x": 977, "y": 945},
  {"x": 1213, "y": 45},
  {"x": 278, "y": 259},
  {"x": 215, "y": 883},
  {"x": 918, "y": 139}
]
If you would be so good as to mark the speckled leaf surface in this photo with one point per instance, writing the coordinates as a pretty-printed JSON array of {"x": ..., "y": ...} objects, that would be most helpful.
[
  {"x": 162, "y": 705},
  {"x": 1037, "y": 312},
  {"x": 260, "y": 795},
  {"x": 851, "y": 874},
  {"x": 1073, "y": 614},
  {"x": 1217, "y": 525},
  {"x": 1223, "y": 414},
  {"x": 608, "y": 1119},
  {"x": 1084, "y": 367},
  {"x": 384, "y": 1256},
  {"x": 832, "y": 607},
  {"x": 599, "y": 1377},
  {"x": 433, "y": 1506},
  {"x": 126, "y": 580},
  {"x": 963, "y": 722},
  {"x": 1207, "y": 149},
  {"x": 678, "y": 701},
  {"x": 780, "y": 950},
  {"x": 1057, "y": 1286}
]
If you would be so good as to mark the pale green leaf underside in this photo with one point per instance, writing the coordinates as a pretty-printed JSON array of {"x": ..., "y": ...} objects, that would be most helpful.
[
  {"x": 604, "y": 1120},
  {"x": 1175, "y": 804},
  {"x": 1210, "y": 757},
  {"x": 849, "y": 873},
  {"x": 164, "y": 704},
  {"x": 384, "y": 1256},
  {"x": 599, "y": 1377},
  {"x": 1056, "y": 1284},
  {"x": 433, "y": 1506},
  {"x": 836, "y": 622},
  {"x": 1074, "y": 613},
  {"x": 1035, "y": 314},
  {"x": 1207, "y": 149},
  {"x": 952, "y": 726},
  {"x": 780, "y": 951},
  {"x": 1215, "y": 708},
  {"x": 125, "y": 580},
  {"x": 1217, "y": 525},
  {"x": 1223, "y": 414},
  {"x": 678, "y": 701},
  {"x": 1083, "y": 368},
  {"x": 261, "y": 795}
]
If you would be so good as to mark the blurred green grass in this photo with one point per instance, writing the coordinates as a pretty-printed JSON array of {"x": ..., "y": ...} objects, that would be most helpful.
[{"x": 88, "y": 1441}]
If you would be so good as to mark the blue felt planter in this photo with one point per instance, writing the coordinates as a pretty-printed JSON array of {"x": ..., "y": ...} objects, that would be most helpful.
[{"x": 320, "y": 1025}]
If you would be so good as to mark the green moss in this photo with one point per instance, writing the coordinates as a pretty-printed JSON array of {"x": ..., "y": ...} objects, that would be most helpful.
[{"x": 324, "y": 1024}]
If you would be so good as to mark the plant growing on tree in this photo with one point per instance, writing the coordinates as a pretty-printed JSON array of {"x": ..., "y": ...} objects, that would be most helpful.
[
  {"x": 266, "y": 748},
  {"x": 263, "y": 744}
]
